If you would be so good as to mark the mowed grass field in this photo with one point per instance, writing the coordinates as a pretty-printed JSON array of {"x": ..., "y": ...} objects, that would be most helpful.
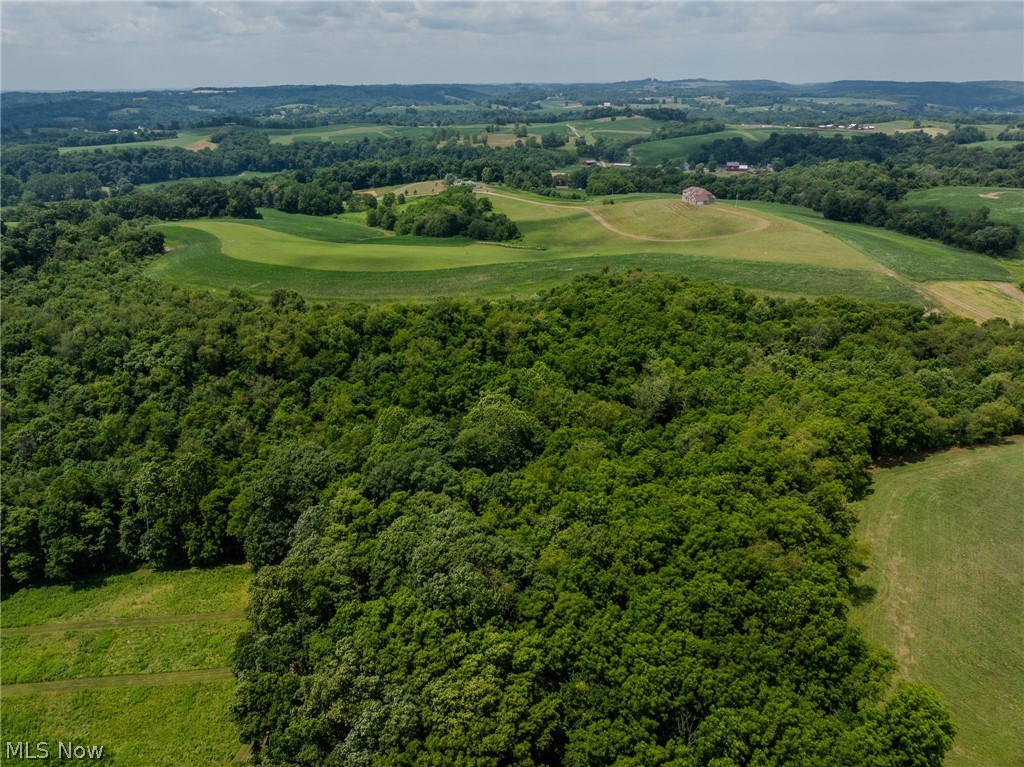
[
  {"x": 774, "y": 248},
  {"x": 947, "y": 541},
  {"x": 137, "y": 663}
]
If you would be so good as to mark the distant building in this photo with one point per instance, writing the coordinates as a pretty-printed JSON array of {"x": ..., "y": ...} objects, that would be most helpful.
[
  {"x": 736, "y": 167},
  {"x": 697, "y": 195}
]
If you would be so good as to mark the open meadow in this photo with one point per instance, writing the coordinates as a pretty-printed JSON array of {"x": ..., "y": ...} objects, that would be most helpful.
[
  {"x": 138, "y": 663},
  {"x": 947, "y": 567},
  {"x": 774, "y": 248},
  {"x": 1004, "y": 204}
]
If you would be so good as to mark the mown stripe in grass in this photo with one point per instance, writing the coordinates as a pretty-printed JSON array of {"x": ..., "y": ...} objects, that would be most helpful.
[
  {"x": 123, "y": 680},
  {"x": 124, "y": 623}
]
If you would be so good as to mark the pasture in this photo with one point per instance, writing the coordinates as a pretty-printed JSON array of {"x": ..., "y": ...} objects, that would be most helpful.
[
  {"x": 609, "y": 127},
  {"x": 137, "y": 663},
  {"x": 1005, "y": 204},
  {"x": 947, "y": 564},
  {"x": 762, "y": 246}
]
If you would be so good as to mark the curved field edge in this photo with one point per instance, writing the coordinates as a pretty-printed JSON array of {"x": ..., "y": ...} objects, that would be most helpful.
[
  {"x": 947, "y": 541},
  {"x": 916, "y": 259},
  {"x": 196, "y": 260}
]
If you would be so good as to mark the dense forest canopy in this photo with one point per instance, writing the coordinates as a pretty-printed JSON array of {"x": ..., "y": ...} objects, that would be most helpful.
[{"x": 607, "y": 523}]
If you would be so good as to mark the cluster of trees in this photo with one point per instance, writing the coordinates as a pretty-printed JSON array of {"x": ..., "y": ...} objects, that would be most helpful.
[
  {"x": 947, "y": 160},
  {"x": 359, "y": 163},
  {"x": 73, "y": 231},
  {"x": 605, "y": 523},
  {"x": 455, "y": 212}
]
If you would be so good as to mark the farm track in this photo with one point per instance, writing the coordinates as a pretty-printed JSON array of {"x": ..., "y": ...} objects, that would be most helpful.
[
  {"x": 937, "y": 296},
  {"x": 123, "y": 680},
  {"x": 1009, "y": 290},
  {"x": 762, "y": 224},
  {"x": 124, "y": 623}
]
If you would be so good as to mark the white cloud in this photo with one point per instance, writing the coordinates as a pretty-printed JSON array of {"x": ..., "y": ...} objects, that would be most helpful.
[{"x": 257, "y": 42}]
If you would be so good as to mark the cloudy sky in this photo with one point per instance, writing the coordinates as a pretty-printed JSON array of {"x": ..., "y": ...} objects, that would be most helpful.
[{"x": 134, "y": 44}]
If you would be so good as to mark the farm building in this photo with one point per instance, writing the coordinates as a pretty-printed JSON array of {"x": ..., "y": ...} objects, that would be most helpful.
[
  {"x": 697, "y": 195},
  {"x": 737, "y": 167}
]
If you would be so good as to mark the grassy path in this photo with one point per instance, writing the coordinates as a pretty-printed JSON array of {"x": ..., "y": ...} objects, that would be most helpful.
[
  {"x": 123, "y": 680},
  {"x": 124, "y": 623}
]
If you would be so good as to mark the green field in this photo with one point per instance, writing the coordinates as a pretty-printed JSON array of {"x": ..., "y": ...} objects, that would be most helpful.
[
  {"x": 947, "y": 538},
  {"x": 981, "y": 300},
  {"x": 775, "y": 248},
  {"x": 911, "y": 257},
  {"x": 137, "y": 663},
  {"x": 607, "y": 127},
  {"x": 679, "y": 149},
  {"x": 1005, "y": 204},
  {"x": 337, "y": 133},
  {"x": 185, "y": 138}
]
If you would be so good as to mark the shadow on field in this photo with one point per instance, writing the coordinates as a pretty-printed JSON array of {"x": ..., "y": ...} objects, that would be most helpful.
[{"x": 904, "y": 460}]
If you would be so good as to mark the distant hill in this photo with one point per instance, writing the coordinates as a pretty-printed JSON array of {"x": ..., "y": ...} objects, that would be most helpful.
[{"x": 208, "y": 104}]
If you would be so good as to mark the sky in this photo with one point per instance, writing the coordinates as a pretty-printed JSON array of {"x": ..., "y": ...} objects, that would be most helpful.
[{"x": 133, "y": 44}]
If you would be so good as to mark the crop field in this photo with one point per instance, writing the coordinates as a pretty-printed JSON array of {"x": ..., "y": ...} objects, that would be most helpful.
[
  {"x": 774, "y": 248},
  {"x": 947, "y": 566},
  {"x": 913, "y": 258},
  {"x": 340, "y": 259},
  {"x": 980, "y": 300},
  {"x": 1004, "y": 204},
  {"x": 137, "y": 663}
]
